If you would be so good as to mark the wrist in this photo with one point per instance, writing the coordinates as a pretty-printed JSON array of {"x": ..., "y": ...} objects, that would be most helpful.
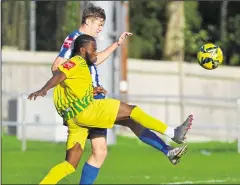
[
  {"x": 44, "y": 89},
  {"x": 117, "y": 42}
]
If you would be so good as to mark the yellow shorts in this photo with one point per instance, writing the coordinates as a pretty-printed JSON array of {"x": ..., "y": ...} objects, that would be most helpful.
[
  {"x": 101, "y": 113},
  {"x": 76, "y": 134}
]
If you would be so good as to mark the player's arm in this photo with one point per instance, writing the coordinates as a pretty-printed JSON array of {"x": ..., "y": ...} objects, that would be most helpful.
[
  {"x": 57, "y": 62},
  {"x": 57, "y": 78},
  {"x": 103, "y": 55},
  {"x": 64, "y": 54}
]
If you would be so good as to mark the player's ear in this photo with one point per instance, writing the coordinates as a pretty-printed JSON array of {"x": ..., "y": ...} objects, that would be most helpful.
[
  {"x": 82, "y": 50},
  {"x": 88, "y": 21}
]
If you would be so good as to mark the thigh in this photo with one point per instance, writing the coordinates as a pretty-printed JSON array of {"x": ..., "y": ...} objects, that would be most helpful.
[
  {"x": 76, "y": 134},
  {"x": 99, "y": 144},
  {"x": 124, "y": 111},
  {"x": 97, "y": 132},
  {"x": 99, "y": 114}
]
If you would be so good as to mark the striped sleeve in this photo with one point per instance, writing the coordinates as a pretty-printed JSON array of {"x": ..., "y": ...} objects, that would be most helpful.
[
  {"x": 67, "y": 46},
  {"x": 66, "y": 49}
]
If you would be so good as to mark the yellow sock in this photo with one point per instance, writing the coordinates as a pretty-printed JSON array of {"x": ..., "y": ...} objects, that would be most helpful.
[
  {"x": 57, "y": 173},
  {"x": 148, "y": 121}
]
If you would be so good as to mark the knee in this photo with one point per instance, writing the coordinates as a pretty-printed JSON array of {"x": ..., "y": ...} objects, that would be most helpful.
[
  {"x": 133, "y": 106},
  {"x": 135, "y": 127},
  {"x": 125, "y": 110},
  {"x": 130, "y": 124},
  {"x": 100, "y": 152}
]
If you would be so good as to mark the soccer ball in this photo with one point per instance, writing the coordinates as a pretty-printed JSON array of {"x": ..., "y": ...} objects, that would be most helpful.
[{"x": 210, "y": 56}]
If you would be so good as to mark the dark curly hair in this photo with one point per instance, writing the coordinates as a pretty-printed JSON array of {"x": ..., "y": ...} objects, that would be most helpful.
[
  {"x": 81, "y": 41},
  {"x": 92, "y": 11}
]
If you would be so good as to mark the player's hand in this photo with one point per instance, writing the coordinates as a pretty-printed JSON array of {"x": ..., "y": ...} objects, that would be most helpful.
[
  {"x": 98, "y": 90},
  {"x": 34, "y": 95},
  {"x": 123, "y": 37}
]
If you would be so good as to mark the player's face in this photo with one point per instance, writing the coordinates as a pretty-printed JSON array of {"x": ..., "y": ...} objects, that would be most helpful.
[
  {"x": 96, "y": 26},
  {"x": 91, "y": 53}
]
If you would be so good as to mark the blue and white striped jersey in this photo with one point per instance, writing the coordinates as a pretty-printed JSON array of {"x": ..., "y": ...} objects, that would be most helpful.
[
  {"x": 67, "y": 47},
  {"x": 66, "y": 52}
]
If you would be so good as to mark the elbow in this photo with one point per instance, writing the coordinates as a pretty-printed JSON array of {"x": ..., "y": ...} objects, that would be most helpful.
[
  {"x": 58, "y": 61},
  {"x": 54, "y": 68},
  {"x": 55, "y": 65}
]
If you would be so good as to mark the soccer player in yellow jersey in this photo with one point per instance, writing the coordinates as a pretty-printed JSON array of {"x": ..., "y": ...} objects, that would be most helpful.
[
  {"x": 93, "y": 20},
  {"x": 74, "y": 101}
]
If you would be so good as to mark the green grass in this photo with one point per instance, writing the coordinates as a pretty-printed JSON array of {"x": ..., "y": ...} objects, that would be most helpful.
[{"x": 127, "y": 162}]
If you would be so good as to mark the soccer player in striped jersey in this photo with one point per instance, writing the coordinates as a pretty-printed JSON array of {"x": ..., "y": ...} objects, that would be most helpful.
[{"x": 93, "y": 20}]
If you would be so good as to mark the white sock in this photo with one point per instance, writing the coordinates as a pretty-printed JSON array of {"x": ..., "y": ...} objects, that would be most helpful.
[{"x": 169, "y": 132}]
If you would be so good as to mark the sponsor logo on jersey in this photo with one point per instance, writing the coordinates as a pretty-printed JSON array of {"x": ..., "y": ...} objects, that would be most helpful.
[
  {"x": 67, "y": 42},
  {"x": 68, "y": 65}
]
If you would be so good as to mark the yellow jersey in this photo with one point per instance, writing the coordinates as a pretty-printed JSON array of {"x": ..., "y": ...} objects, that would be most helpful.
[{"x": 75, "y": 93}]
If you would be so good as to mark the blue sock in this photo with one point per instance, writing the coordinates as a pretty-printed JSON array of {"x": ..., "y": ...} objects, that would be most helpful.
[
  {"x": 89, "y": 174},
  {"x": 153, "y": 140}
]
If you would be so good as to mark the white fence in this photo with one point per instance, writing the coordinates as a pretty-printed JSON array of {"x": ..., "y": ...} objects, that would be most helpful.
[{"x": 38, "y": 121}]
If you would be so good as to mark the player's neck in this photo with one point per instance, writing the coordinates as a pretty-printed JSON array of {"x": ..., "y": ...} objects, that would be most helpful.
[
  {"x": 84, "y": 29},
  {"x": 79, "y": 54}
]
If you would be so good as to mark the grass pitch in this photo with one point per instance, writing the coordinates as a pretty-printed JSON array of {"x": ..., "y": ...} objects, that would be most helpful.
[{"x": 128, "y": 162}]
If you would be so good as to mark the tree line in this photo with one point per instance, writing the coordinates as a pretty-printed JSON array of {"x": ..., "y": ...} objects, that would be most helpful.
[{"x": 163, "y": 30}]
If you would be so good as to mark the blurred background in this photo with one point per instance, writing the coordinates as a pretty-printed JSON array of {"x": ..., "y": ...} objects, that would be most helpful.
[{"x": 156, "y": 69}]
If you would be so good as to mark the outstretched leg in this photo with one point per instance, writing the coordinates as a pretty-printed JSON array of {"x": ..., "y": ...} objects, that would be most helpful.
[
  {"x": 104, "y": 113},
  {"x": 178, "y": 135},
  {"x": 145, "y": 135},
  {"x": 150, "y": 138}
]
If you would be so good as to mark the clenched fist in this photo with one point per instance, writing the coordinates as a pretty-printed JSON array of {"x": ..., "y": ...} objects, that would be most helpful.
[
  {"x": 122, "y": 37},
  {"x": 98, "y": 90}
]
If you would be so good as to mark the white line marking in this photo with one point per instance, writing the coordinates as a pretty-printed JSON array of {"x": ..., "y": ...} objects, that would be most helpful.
[
  {"x": 198, "y": 182},
  {"x": 147, "y": 177}
]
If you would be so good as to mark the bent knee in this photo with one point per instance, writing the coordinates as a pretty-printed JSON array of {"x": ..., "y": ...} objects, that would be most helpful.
[
  {"x": 100, "y": 152},
  {"x": 133, "y": 106}
]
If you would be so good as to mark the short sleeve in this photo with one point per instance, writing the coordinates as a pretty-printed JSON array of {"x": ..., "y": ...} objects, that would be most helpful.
[
  {"x": 67, "y": 48},
  {"x": 68, "y": 68}
]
